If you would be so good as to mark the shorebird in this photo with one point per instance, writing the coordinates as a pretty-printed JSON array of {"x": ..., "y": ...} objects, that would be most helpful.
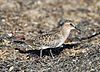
[{"x": 54, "y": 38}]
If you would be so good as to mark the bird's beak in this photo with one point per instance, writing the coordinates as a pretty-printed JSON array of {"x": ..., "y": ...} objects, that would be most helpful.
[{"x": 76, "y": 27}]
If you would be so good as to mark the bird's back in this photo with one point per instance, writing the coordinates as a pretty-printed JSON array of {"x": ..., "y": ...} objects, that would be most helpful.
[{"x": 48, "y": 40}]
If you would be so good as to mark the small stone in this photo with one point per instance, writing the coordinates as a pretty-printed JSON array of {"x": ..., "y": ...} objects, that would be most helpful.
[{"x": 11, "y": 68}]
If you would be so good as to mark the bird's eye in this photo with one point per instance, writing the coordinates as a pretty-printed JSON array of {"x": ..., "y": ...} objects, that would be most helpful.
[{"x": 72, "y": 24}]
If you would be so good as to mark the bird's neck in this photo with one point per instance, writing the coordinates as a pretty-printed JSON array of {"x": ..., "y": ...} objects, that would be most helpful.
[{"x": 65, "y": 32}]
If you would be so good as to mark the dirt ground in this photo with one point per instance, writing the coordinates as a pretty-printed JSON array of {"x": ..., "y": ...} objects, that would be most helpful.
[{"x": 23, "y": 19}]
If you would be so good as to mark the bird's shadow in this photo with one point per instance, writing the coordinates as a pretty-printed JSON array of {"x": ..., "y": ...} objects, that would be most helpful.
[{"x": 55, "y": 51}]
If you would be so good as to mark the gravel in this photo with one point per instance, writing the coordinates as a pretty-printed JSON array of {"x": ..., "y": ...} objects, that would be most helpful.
[{"x": 24, "y": 19}]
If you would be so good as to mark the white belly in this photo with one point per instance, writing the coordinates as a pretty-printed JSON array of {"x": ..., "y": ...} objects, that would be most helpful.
[
  {"x": 61, "y": 42},
  {"x": 44, "y": 47}
]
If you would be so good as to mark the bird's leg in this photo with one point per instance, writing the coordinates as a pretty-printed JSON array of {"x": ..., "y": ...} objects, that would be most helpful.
[
  {"x": 51, "y": 53},
  {"x": 41, "y": 53}
]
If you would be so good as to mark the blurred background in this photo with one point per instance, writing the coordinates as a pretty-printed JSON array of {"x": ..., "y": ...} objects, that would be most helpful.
[{"x": 25, "y": 19}]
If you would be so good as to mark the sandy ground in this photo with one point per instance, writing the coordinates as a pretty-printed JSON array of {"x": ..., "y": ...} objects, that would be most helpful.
[{"x": 24, "y": 19}]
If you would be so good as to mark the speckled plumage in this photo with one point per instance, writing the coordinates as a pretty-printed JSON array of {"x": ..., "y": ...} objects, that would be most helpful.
[{"x": 54, "y": 38}]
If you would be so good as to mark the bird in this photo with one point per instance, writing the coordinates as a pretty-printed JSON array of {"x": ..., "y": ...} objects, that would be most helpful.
[{"x": 54, "y": 38}]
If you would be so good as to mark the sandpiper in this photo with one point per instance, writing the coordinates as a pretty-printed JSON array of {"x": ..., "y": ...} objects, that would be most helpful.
[{"x": 54, "y": 38}]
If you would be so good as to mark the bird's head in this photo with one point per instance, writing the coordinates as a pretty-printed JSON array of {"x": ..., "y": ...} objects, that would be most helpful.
[{"x": 68, "y": 24}]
